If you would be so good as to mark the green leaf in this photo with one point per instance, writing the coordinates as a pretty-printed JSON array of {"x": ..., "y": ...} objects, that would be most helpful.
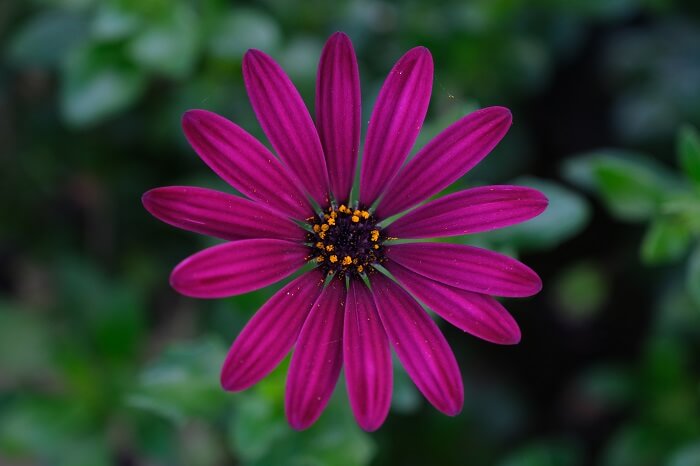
[
  {"x": 47, "y": 39},
  {"x": 581, "y": 291},
  {"x": 22, "y": 329},
  {"x": 689, "y": 153},
  {"x": 567, "y": 214},
  {"x": 633, "y": 186},
  {"x": 692, "y": 277},
  {"x": 688, "y": 455},
  {"x": 240, "y": 30},
  {"x": 170, "y": 45},
  {"x": 97, "y": 84},
  {"x": 112, "y": 22},
  {"x": 667, "y": 240},
  {"x": 183, "y": 382}
]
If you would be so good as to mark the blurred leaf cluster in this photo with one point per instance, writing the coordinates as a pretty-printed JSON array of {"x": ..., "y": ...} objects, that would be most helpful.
[{"x": 637, "y": 188}]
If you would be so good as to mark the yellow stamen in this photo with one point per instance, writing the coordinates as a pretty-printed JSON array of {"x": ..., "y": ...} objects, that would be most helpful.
[
  {"x": 326, "y": 216},
  {"x": 317, "y": 228},
  {"x": 322, "y": 235},
  {"x": 334, "y": 214},
  {"x": 376, "y": 246},
  {"x": 347, "y": 260},
  {"x": 324, "y": 227},
  {"x": 319, "y": 245},
  {"x": 365, "y": 214},
  {"x": 329, "y": 247},
  {"x": 331, "y": 221},
  {"x": 357, "y": 213},
  {"x": 320, "y": 259},
  {"x": 375, "y": 235},
  {"x": 360, "y": 269},
  {"x": 342, "y": 208},
  {"x": 355, "y": 218},
  {"x": 333, "y": 258}
]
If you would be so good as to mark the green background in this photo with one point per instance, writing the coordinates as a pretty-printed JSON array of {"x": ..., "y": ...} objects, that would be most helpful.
[{"x": 101, "y": 363}]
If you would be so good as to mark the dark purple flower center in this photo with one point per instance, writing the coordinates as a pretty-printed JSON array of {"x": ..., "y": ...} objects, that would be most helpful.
[{"x": 346, "y": 241}]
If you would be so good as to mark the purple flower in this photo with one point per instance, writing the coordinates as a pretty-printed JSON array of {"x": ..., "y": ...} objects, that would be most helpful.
[{"x": 300, "y": 210}]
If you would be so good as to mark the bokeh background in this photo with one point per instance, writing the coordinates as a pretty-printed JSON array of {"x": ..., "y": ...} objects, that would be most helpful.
[{"x": 101, "y": 363}]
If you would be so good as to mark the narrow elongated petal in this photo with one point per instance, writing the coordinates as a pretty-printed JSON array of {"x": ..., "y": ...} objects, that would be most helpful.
[
  {"x": 367, "y": 359},
  {"x": 338, "y": 112},
  {"x": 238, "y": 267},
  {"x": 396, "y": 121},
  {"x": 445, "y": 159},
  {"x": 478, "y": 314},
  {"x": 468, "y": 268},
  {"x": 470, "y": 211},
  {"x": 317, "y": 359},
  {"x": 244, "y": 163},
  {"x": 218, "y": 214},
  {"x": 420, "y": 346},
  {"x": 271, "y": 333},
  {"x": 286, "y": 122}
]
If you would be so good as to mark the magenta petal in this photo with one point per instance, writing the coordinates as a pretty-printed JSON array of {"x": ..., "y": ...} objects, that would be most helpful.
[
  {"x": 286, "y": 121},
  {"x": 238, "y": 267},
  {"x": 396, "y": 121},
  {"x": 317, "y": 358},
  {"x": 218, "y": 214},
  {"x": 271, "y": 333},
  {"x": 244, "y": 163},
  {"x": 338, "y": 112},
  {"x": 451, "y": 154},
  {"x": 468, "y": 268},
  {"x": 470, "y": 211},
  {"x": 478, "y": 314},
  {"x": 420, "y": 346},
  {"x": 367, "y": 359}
]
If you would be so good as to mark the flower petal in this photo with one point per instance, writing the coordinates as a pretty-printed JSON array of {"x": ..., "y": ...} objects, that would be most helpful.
[
  {"x": 238, "y": 267},
  {"x": 420, "y": 346},
  {"x": 396, "y": 121},
  {"x": 367, "y": 359},
  {"x": 338, "y": 112},
  {"x": 271, "y": 333},
  {"x": 470, "y": 211},
  {"x": 218, "y": 214},
  {"x": 451, "y": 154},
  {"x": 317, "y": 359},
  {"x": 286, "y": 122},
  {"x": 478, "y": 314},
  {"x": 468, "y": 268},
  {"x": 244, "y": 163}
]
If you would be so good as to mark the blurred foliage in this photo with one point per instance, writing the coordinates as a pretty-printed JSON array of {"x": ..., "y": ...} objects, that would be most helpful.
[
  {"x": 636, "y": 187},
  {"x": 102, "y": 364}
]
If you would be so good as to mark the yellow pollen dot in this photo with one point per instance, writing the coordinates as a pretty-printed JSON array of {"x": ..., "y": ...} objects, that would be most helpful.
[
  {"x": 355, "y": 218},
  {"x": 342, "y": 208},
  {"x": 376, "y": 246},
  {"x": 320, "y": 259},
  {"x": 357, "y": 213},
  {"x": 375, "y": 235},
  {"x": 333, "y": 258},
  {"x": 317, "y": 228},
  {"x": 365, "y": 214},
  {"x": 324, "y": 227},
  {"x": 355, "y": 261},
  {"x": 319, "y": 245},
  {"x": 326, "y": 216},
  {"x": 331, "y": 221},
  {"x": 360, "y": 269},
  {"x": 334, "y": 214},
  {"x": 347, "y": 260},
  {"x": 329, "y": 247},
  {"x": 322, "y": 235}
]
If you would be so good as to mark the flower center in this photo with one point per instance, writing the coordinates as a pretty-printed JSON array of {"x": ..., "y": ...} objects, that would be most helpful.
[{"x": 346, "y": 241}]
